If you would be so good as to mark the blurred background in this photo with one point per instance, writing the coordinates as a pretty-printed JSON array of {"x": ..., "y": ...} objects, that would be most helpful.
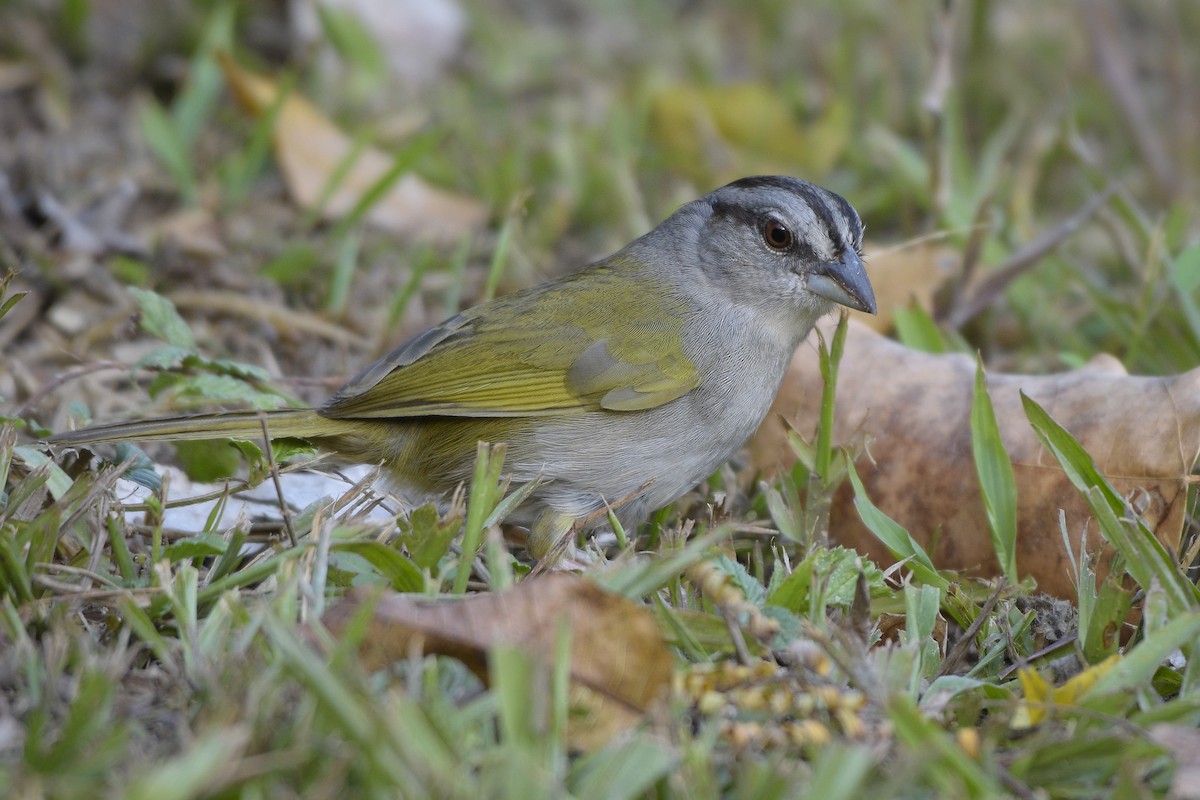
[{"x": 1027, "y": 171}]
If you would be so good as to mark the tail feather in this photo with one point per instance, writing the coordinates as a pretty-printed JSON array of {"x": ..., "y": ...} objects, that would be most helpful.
[{"x": 301, "y": 423}]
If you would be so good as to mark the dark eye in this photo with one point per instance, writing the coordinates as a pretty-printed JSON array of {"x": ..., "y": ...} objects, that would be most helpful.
[{"x": 776, "y": 235}]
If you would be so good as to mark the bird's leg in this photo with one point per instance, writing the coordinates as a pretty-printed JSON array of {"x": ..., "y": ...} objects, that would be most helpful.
[{"x": 550, "y": 535}]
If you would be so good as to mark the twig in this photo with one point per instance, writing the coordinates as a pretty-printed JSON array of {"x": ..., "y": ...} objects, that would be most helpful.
[
  {"x": 1116, "y": 70},
  {"x": 1023, "y": 260},
  {"x": 274, "y": 466},
  {"x": 1013, "y": 785},
  {"x": 1057, "y": 644},
  {"x": 736, "y": 636},
  {"x": 67, "y": 569},
  {"x": 66, "y": 377},
  {"x": 959, "y": 651},
  {"x": 941, "y": 80},
  {"x": 256, "y": 308}
]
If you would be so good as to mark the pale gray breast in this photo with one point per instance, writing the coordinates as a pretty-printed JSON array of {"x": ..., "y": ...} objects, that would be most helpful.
[{"x": 674, "y": 446}]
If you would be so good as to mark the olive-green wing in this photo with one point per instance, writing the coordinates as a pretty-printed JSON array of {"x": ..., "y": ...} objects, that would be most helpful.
[{"x": 558, "y": 349}]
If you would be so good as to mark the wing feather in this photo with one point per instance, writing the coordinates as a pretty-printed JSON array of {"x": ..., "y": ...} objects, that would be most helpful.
[{"x": 503, "y": 359}]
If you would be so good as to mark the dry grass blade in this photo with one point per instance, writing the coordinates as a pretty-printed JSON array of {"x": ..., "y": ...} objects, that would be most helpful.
[
  {"x": 1116, "y": 68},
  {"x": 289, "y": 320},
  {"x": 1020, "y": 262}
]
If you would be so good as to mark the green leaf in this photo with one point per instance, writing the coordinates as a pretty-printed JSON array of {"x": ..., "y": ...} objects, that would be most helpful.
[
  {"x": 1102, "y": 635},
  {"x": 57, "y": 481},
  {"x": 166, "y": 142},
  {"x": 741, "y": 579},
  {"x": 401, "y": 574},
  {"x": 1138, "y": 665},
  {"x": 208, "y": 461},
  {"x": 6, "y": 303},
  {"x": 199, "y": 546},
  {"x": 235, "y": 369},
  {"x": 946, "y": 687},
  {"x": 1185, "y": 270},
  {"x": 996, "y": 479},
  {"x": 292, "y": 265},
  {"x": 353, "y": 41},
  {"x": 838, "y": 773},
  {"x": 837, "y": 567},
  {"x": 1185, "y": 275},
  {"x": 166, "y": 357},
  {"x": 916, "y": 329},
  {"x": 142, "y": 471},
  {"x": 224, "y": 389},
  {"x": 426, "y": 538},
  {"x": 628, "y": 768},
  {"x": 160, "y": 319},
  {"x": 946, "y": 765}
]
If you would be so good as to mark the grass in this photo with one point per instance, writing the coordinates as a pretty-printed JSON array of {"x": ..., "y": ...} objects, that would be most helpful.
[{"x": 137, "y": 660}]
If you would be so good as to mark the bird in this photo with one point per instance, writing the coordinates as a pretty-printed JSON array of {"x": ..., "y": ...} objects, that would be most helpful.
[{"x": 629, "y": 381}]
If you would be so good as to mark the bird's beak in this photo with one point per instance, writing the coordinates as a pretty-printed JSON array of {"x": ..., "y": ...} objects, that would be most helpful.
[{"x": 844, "y": 282}]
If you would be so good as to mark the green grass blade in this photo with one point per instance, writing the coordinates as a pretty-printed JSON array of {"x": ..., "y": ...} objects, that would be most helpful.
[
  {"x": 830, "y": 360},
  {"x": 917, "y": 330},
  {"x": 1145, "y": 557},
  {"x": 996, "y": 479},
  {"x": 947, "y": 766},
  {"x": 489, "y": 460},
  {"x": 894, "y": 537}
]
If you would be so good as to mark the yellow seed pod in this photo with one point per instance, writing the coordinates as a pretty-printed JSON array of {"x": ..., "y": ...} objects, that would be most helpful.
[
  {"x": 850, "y": 723},
  {"x": 829, "y": 696},
  {"x": 766, "y": 669},
  {"x": 853, "y": 699},
  {"x": 804, "y": 704},
  {"x": 809, "y": 732},
  {"x": 968, "y": 740},
  {"x": 744, "y": 734},
  {"x": 710, "y": 702},
  {"x": 780, "y": 701},
  {"x": 750, "y": 698}
]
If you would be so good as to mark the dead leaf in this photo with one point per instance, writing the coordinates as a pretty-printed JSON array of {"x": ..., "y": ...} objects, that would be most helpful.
[
  {"x": 905, "y": 274},
  {"x": 890, "y": 626},
  {"x": 310, "y": 150},
  {"x": 194, "y": 231},
  {"x": 620, "y": 666},
  {"x": 914, "y": 411}
]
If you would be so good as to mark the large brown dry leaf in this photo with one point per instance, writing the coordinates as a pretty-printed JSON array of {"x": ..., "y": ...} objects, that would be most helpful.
[
  {"x": 620, "y": 665},
  {"x": 905, "y": 275},
  {"x": 310, "y": 149},
  {"x": 914, "y": 411}
]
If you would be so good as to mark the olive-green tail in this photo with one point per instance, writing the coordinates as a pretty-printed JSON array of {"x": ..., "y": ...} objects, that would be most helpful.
[{"x": 301, "y": 423}]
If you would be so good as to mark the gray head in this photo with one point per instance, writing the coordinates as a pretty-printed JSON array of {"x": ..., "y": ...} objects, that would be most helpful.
[{"x": 771, "y": 240}]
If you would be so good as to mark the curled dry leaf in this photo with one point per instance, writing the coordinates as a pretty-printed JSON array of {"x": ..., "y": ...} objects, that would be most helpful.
[
  {"x": 620, "y": 666},
  {"x": 311, "y": 149},
  {"x": 913, "y": 409}
]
